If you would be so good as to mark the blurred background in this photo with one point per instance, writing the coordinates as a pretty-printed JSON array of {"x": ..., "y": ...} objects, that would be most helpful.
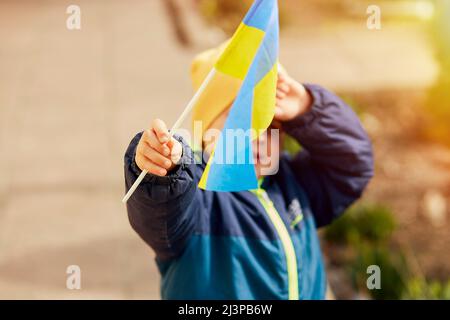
[{"x": 71, "y": 100}]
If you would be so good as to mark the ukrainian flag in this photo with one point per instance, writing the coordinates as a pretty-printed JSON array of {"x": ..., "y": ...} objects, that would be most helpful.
[{"x": 251, "y": 59}]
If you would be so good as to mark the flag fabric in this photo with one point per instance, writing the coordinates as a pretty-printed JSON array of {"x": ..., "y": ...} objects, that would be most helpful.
[{"x": 251, "y": 59}]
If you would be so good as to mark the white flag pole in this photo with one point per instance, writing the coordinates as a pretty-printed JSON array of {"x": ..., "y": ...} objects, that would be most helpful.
[{"x": 175, "y": 127}]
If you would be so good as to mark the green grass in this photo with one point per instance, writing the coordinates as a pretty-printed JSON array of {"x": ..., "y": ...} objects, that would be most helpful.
[
  {"x": 365, "y": 233},
  {"x": 393, "y": 266},
  {"x": 421, "y": 289}
]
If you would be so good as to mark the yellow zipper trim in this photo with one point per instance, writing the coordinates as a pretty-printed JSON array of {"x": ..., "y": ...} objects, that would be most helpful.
[
  {"x": 286, "y": 241},
  {"x": 296, "y": 221}
]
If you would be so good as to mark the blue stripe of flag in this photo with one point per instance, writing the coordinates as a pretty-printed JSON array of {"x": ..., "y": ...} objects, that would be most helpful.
[
  {"x": 260, "y": 14},
  {"x": 242, "y": 176}
]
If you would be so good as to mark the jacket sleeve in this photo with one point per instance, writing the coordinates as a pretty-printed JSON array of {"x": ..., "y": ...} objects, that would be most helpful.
[
  {"x": 337, "y": 161},
  {"x": 161, "y": 210}
]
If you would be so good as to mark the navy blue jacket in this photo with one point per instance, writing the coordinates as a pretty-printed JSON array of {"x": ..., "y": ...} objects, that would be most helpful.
[{"x": 259, "y": 244}]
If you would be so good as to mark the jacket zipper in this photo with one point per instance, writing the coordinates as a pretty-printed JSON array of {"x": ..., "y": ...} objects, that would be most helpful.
[{"x": 288, "y": 246}]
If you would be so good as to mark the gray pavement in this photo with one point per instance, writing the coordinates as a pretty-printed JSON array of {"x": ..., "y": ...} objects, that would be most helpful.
[{"x": 70, "y": 101}]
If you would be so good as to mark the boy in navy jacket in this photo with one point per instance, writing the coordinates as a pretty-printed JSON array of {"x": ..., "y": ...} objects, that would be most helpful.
[{"x": 256, "y": 244}]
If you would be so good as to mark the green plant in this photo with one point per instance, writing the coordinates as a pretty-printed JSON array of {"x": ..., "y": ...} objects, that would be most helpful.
[
  {"x": 365, "y": 231},
  {"x": 420, "y": 289},
  {"x": 364, "y": 222},
  {"x": 393, "y": 266}
]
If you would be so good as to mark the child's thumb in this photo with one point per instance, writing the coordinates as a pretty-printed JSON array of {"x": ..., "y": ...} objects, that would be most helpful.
[{"x": 176, "y": 150}]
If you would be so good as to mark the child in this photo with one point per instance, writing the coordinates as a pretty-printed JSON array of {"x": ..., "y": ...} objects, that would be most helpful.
[{"x": 256, "y": 244}]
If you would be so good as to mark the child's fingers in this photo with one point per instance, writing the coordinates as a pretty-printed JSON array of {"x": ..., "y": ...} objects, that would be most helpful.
[
  {"x": 283, "y": 77},
  {"x": 146, "y": 164},
  {"x": 152, "y": 140},
  {"x": 281, "y": 94},
  {"x": 279, "y": 113},
  {"x": 176, "y": 150},
  {"x": 161, "y": 131},
  {"x": 283, "y": 87},
  {"x": 280, "y": 103},
  {"x": 154, "y": 156},
  {"x": 280, "y": 82},
  {"x": 282, "y": 74}
]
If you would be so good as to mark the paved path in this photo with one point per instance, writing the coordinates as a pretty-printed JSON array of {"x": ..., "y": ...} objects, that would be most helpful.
[
  {"x": 70, "y": 101},
  {"x": 349, "y": 57}
]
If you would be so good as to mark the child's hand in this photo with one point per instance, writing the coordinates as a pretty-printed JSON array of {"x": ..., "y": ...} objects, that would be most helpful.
[
  {"x": 293, "y": 99},
  {"x": 158, "y": 152}
]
